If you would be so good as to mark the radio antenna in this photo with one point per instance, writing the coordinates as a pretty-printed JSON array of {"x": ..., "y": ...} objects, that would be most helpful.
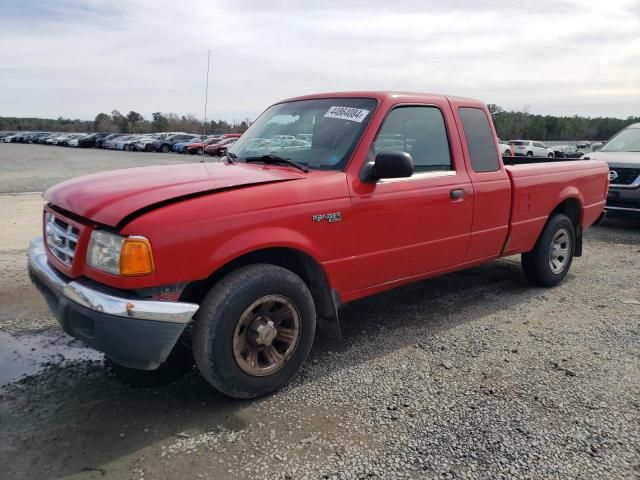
[{"x": 206, "y": 100}]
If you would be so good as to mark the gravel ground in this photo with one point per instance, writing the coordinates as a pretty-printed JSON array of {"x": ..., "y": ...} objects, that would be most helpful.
[{"x": 471, "y": 375}]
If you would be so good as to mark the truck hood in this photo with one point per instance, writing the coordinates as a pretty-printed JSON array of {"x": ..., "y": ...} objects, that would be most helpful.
[
  {"x": 616, "y": 157},
  {"x": 110, "y": 197}
]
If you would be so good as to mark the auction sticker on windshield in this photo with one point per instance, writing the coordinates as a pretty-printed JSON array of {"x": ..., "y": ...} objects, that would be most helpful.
[{"x": 347, "y": 113}]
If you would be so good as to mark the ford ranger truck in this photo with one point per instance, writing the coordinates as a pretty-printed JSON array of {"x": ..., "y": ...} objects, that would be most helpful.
[
  {"x": 324, "y": 200},
  {"x": 622, "y": 153}
]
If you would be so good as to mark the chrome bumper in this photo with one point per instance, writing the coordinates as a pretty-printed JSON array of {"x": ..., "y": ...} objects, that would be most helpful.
[{"x": 174, "y": 312}]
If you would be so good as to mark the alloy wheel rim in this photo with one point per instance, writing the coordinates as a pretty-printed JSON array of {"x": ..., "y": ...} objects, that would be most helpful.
[
  {"x": 559, "y": 251},
  {"x": 266, "y": 335}
]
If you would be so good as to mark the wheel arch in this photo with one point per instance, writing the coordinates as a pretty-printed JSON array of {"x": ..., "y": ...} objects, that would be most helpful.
[
  {"x": 301, "y": 263},
  {"x": 571, "y": 206}
]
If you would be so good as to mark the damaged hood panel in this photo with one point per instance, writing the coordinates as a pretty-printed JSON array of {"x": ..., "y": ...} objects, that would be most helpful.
[{"x": 107, "y": 198}]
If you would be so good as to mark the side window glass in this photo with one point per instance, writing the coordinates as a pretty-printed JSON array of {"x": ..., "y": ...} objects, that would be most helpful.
[
  {"x": 480, "y": 140},
  {"x": 419, "y": 131}
]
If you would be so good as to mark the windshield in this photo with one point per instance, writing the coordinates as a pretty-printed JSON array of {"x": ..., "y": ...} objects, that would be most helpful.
[
  {"x": 518, "y": 143},
  {"x": 627, "y": 140},
  {"x": 319, "y": 133}
]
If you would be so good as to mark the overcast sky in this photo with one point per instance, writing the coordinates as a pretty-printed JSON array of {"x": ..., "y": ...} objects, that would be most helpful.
[{"x": 76, "y": 58}]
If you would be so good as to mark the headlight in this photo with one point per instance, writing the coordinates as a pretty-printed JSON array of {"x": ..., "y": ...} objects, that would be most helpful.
[{"x": 128, "y": 256}]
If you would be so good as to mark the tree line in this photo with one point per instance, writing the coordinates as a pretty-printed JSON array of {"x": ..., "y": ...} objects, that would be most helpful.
[
  {"x": 513, "y": 125},
  {"x": 132, "y": 122},
  {"x": 509, "y": 125}
]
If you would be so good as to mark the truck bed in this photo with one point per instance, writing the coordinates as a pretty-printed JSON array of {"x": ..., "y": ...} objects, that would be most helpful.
[{"x": 539, "y": 185}]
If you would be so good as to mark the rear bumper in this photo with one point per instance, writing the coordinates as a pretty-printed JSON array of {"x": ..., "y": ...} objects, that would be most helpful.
[{"x": 133, "y": 332}]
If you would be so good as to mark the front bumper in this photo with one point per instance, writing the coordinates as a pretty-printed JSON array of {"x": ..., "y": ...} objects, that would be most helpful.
[
  {"x": 623, "y": 202},
  {"x": 133, "y": 332}
]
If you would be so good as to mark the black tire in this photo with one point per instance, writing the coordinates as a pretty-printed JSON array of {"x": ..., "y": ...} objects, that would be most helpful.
[
  {"x": 551, "y": 155},
  {"x": 126, "y": 148},
  {"x": 199, "y": 151},
  {"x": 537, "y": 264},
  {"x": 507, "y": 153},
  {"x": 221, "y": 311},
  {"x": 179, "y": 363},
  {"x": 165, "y": 148},
  {"x": 529, "y": 154},
  {"x": 148, "y": 148}
]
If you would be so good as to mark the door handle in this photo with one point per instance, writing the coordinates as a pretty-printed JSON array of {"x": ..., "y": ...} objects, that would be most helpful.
[{"x": 457, "y": 194}]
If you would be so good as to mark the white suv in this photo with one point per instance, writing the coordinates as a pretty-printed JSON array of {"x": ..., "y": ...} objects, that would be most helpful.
[
  {"x": 505, "y": 148},
  {"x": 531, "y": 148}
]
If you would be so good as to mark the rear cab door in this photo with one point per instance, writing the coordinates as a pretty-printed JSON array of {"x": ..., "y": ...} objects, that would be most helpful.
[
  {"x": 407, "y": 227},
  {"x": 491, "y": 184}
]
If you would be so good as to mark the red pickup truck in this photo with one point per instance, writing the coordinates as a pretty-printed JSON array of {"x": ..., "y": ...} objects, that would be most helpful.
[{"x": 325, "y": 199}]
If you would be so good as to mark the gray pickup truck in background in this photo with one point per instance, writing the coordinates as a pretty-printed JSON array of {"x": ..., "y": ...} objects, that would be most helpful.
[{"x": 622, "y": 153}]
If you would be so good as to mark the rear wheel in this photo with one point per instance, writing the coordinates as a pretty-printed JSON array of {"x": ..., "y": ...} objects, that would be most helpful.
[
  {"x": 550, "y": 155},
  {"x": 198, "y": 151},
  {"x": 254, "y": 330},
  {"x": 165, "y": 148},
  {"x": 549, "y": 261},
  {"x": 529, "y": 154}
]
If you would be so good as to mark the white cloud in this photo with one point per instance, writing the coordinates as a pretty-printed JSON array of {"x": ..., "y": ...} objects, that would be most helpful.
[{"x": 80, "y": 57}]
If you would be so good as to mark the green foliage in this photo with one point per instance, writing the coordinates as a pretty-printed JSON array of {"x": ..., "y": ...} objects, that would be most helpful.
[
  {"x": 513, "y": 125},
  {"x": 134, "y": 118},
  {"x": 133, "y": 122},
  {"x": 159, "y": 123}
]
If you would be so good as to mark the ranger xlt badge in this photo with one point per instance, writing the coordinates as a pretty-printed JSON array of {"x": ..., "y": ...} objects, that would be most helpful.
[{"x": 329, "y": 217}]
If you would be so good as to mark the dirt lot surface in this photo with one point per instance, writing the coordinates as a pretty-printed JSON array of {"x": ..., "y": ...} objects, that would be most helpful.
[
  {"x": 34, "y": 168},
  {"x": 471, "y": 375}
]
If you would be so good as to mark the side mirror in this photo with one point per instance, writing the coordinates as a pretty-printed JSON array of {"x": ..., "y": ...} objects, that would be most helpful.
[{"x": 391, "y": 164}]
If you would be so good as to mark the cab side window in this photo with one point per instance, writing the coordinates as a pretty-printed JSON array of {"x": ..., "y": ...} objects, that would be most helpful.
[
  {"x": 419, "y": 131},
  {"x": 480, "y": 140}
]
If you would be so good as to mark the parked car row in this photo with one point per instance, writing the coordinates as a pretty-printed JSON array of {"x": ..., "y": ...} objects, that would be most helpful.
[
  {"x": 165, "y": 142},
  {"x": 532, "y": 148}
]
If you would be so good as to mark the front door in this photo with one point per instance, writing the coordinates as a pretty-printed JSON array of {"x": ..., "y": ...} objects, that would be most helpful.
[{"x": 407, "y": 227}]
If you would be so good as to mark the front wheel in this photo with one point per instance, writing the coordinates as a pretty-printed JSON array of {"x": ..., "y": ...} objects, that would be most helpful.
[
  {"x": 550, "y": 155},
  {"x": 529, "y": 154},
  {"x": 165, "y": 148},
  {"x": 549, "y": 261},
  {"x": 254, "y": 330}
]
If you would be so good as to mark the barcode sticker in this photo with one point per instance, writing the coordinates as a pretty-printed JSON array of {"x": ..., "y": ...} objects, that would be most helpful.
[{"x": 347, "y": 113}]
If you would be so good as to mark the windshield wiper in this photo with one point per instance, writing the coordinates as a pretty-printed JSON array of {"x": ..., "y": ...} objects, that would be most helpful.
[
  {"x": 230, "y": 156},
  {"x": 277, "y": 159}
]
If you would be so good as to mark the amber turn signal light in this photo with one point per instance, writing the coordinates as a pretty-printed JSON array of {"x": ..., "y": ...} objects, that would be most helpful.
[{"x": 136, "y": 257}]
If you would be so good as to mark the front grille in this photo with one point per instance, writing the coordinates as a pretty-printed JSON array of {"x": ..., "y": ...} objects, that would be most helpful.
[
  {"x": 623, "y": 176},
  {"x": 61, "y": 238}
]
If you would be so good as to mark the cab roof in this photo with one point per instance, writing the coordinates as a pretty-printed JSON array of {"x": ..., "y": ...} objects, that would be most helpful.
[{"x": 381, "y": 95}]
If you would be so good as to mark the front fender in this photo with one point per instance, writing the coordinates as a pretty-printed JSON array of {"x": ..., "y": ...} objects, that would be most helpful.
[{"x": 262, "y": 238}]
